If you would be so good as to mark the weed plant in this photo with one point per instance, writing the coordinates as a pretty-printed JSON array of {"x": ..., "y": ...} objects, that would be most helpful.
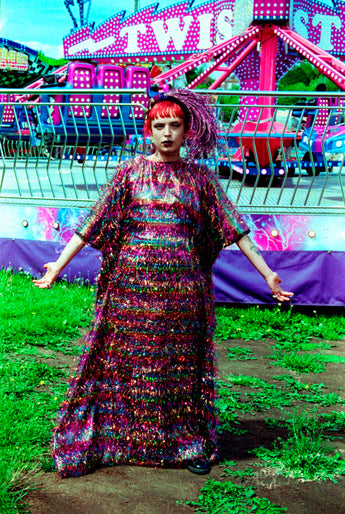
[
  {"x": 227, "y": 497},
  {"x": 241, "y": 354},
  {"x": 305, "y": 363},
  {"x": 304, "y": 453}
]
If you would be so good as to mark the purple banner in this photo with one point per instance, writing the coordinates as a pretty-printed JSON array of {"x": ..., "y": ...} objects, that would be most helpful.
[{"x": 316, "y": 278}]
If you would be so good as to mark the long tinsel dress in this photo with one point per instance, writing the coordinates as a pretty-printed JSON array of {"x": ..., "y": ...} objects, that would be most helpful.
[{"x": 143, "y": 392}]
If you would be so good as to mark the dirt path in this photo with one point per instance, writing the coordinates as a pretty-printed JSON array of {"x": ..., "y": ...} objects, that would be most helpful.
[{"x": 136, "y": 490}]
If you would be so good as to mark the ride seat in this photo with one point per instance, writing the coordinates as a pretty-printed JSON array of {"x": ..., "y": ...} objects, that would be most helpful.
[
  {"x": 321, "y": 114},
  {"x": 8, "y": 118},
  {"x": 81, "y": 76},
  {"x": 138, "y": 77},
  {"x": 110, "y": 76}
]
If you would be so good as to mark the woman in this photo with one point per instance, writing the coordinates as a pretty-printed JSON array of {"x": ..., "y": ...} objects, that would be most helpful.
[{"x": 143, "y": 392}]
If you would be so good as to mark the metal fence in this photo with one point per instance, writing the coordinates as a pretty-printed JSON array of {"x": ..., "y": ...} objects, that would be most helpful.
[{"x": 59, "y": 149}]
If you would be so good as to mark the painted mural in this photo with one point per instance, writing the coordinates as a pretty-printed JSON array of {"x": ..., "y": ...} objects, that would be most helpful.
[{"x": 270, "y": 232}]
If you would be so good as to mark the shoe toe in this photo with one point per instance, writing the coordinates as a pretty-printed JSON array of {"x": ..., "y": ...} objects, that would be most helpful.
[{"x": 200, "y": 467}]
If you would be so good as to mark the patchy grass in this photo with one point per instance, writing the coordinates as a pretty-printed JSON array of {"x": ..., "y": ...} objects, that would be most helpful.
[
  {"x": 231, "y": 403},
  {"x": 32, "y": 320},
  {"x": 284, "y": 325},
  {"x": 239, "y": 353},
  {"x": 227, "y": 497},
  {"x": 304, "y": 454},
  {"x": 36, "y": 323}
]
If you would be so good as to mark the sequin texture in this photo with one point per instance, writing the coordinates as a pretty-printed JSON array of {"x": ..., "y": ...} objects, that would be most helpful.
[{"x": 143, "y": 391}]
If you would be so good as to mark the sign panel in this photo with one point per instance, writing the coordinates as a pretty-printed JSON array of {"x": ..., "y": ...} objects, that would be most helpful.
[
  {"x": 179, "y": 30},
  {"x": 155, "y": 34},
  {"x": 322, "y": 23}
]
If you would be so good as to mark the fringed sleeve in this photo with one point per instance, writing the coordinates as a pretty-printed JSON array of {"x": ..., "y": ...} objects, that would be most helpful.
[
  {"x": 101, "y": 227},
  {"x": 222, "y": 224}
]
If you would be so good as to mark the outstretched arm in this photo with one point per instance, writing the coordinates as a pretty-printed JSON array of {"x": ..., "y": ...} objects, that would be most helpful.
[
  {"x": 54, "y": 268},
  {"x": 273, "y": 280}
]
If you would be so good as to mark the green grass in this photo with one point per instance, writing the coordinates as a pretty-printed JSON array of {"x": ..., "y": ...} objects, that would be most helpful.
[
  {"x": 229, "y": 498},
  {"x": 305, "y": 363},
  {"x": 284, "y": 325},
  {"x": 33, "y": 321},
  {"x": 231, "y": 403},
  {"x": 241, "y": 354},
  {"x": 48, "y": 318},
  {"x": 304, "y": 454},
  {"x": 37, "y": 323}
]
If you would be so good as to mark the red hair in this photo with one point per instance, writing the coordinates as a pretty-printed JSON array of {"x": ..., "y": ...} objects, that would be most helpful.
[{"x": 164, "y": 109}]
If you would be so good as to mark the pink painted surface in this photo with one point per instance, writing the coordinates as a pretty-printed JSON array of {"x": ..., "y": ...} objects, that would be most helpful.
[
  {"x": 81, "y": 76},
  {"x": 8, "y": 115},
  {"x": 256, "y": 137},
  {"x": 278, "y": 10},
  {"x": 110, "y": 76},
  {"x": 138, "y": 78}
]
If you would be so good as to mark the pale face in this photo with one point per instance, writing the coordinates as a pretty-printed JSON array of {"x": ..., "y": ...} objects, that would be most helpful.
[{"x": 167, "y": 137}]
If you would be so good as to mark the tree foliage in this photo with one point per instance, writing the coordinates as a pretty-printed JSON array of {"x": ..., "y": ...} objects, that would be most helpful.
[{"x": 303, "y": 77}]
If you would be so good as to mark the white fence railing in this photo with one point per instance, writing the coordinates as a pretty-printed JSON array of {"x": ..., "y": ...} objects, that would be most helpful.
[{"x": 59, "y": 148}]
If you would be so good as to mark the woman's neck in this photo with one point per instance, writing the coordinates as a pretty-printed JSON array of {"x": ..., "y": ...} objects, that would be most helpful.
[{"x": 157, "y": 157}]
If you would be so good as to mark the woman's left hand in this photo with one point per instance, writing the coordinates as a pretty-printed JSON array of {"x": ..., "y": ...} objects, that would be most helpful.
[{"x": 273, "y": 282}]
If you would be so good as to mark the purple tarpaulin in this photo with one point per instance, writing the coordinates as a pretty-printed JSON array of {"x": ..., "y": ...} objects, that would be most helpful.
[
  {"x": 316, "y": 277},
  {"x": 31, "y": 255}
]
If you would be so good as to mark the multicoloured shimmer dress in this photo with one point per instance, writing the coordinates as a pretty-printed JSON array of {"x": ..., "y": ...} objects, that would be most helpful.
[{"x": 143, "y": 392}]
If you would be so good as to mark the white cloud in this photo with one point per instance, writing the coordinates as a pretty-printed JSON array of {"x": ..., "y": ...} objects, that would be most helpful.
[{"x": 54, "y": 51}]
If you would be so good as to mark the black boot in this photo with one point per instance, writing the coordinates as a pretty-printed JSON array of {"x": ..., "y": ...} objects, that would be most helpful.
[{"x": 200, "y": 467}]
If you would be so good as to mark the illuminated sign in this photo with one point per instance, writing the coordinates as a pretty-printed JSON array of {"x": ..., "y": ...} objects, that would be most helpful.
[
  {"x": 12, "y": 60},
  {"x": 178, "y": 30},
  {"x": 322, "y": 23},
  {"x": 181, "y": 30}
]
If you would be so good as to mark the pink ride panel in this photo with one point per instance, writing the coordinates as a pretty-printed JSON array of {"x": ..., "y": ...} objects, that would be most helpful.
[
  {"x": 321, "y": 114},
  {"x": 8, "y": 113},
  {"x": 137, "y": 77},
  {"x": 110, "y": 76},
  {"x": 81, "y": 76}
]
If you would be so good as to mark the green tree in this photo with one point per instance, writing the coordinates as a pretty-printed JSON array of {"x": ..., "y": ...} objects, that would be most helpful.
[{"x": 303, "y": 76}]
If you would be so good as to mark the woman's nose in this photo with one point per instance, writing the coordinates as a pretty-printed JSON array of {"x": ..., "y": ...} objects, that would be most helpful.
[{"x": 167, "y": 130}]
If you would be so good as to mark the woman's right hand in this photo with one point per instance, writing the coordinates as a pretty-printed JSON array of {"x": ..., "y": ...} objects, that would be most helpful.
[{"x": 49, "y": 277}]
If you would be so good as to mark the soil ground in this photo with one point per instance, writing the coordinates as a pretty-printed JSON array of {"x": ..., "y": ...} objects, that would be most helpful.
[{"x": 138, "y": 490}]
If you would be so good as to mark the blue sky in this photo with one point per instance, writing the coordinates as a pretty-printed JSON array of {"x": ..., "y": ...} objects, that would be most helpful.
[{"x": 42, "y": 24}]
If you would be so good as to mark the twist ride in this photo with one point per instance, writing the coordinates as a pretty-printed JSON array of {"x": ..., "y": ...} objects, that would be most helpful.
[{"x": 64, "y": 132}]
